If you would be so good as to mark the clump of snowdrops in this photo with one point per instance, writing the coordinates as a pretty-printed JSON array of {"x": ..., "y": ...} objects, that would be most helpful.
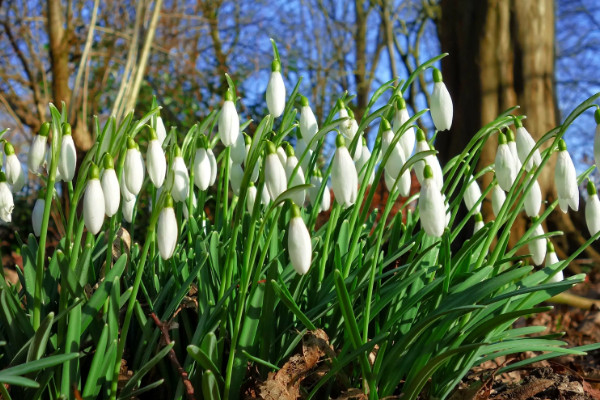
[{"x": 232, "y": 257}]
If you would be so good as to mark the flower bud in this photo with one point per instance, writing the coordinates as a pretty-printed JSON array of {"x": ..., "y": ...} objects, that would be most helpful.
[
  {"x": 128, "y": 208},
  {"x": 275, "y": 179},
  {"x": 396, "y": 160},
  {"x": 432, "y": 209},
  {"x": 37, "y": 150},
  {"x": 181, "y": 178},
  {"x": 344, "y": 179},
  {"x": 565, "y": 178},
  {"x": 156, "y": 162},
  {"x": 308, "y": 122},
  {"x": 361, "y": 165},
  {"x": 407, "y": 139},
  {"x": 68, "y": 156},
  {"x": 551, "y": 259},
  {"x": 472, "y": 194},
  {"x": 133, "y": 168},
  {"x": 537, "y": 247},
  {"x": 592, "y": 209},
  {"x": 238, "y": 150},
  {"x": 525, "y": 144},
  {"x": 236, "y": 174},
  {"x": 533, "y": 200},
  {"x": 441, "y": 103},
  {"x": 297, "y": 179},
  {"x": 15, "y": 175},
  {"x": 275, "y": 94},
  {"x": 229, "y": 121},
  {"x": 299, "y": 245},
  {"x": 504, "y": 164},
  {"x": 202, "y": 168},
  {"x": 498, "y": 198},
  {"x": 110, "y": 187},
  {"x": 6, "y": 200},
  {"x": 166, "y": 231},
  {"x": 93, "y": 202}
]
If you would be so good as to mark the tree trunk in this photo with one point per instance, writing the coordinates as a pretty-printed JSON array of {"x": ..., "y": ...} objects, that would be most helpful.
[{"x": 501, "y": 55}]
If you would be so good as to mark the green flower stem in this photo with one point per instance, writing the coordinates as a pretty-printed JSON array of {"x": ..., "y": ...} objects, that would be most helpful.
[
  {"x": 223, "y": 191},
  {"x": 331, "y": 224}
]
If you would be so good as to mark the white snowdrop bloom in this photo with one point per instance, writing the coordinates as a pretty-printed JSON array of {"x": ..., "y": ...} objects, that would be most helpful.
[
  {"x": 181, "y": 178},
  {"x": 533, "y": 200},
  {"x": 498, "y": 198},
  {"x": 281, "y": 154},
  {"x": 441, "y": 103},
  {"x": 308, "y": 123},
  {"x": 597, "y": 138},
  {"x": 110, "y": 187},
  {"x": 344, "y": 179},
  {"x": 526, "y": 143},
  {"x": 512, "y": 145},
  {"x": 133, "y": 168},
  {"x": 127, "y": 208},
  {"x": 37, "y": 150},
  {"x": 37, "y": 215},
  {"x": 68, "y": 155},
  {"x": 161, "y": 131},
  {"x": 127, "y": 195},
  {"x": 166, "y": 231},
  {"x": 275, "y": 179},
  {"x": 48, "y": 165},
  {"x": 297, "y": 179},
  {"x": 361, "y": 164},
  {"x": 236, "y": 174},
  {"x": 430, "y": 160},
  {"x": 251, "y": 197},
  {"x": 407, "y": 139},
  {"x": 478, "y": 223},
  {"x": 472, "y": 194},
  {"x": 229, "y": 121},
  {"x": 592, "y": 209},
  {"x": 448, "y": 212},
  {"x": 537, "y": 247},
  {"x": 565, "y": 178},
  {"x": 15, "y": 176},
  {"x": 156, "y": 162},
  {"x": 395, "y": 162},
  {"x": 202, "y": 167},
  {"x": 326, "y": 199},
  {"x": 213, "y": 166},
  {"x": 6, "y": 200},
  {"x": 93, "y": 202},
  {"x": 238, "y": 150},
  {"x": 357, "y": 152},
  {"x": 352, "y": 127},
  {"x": 299, "y": 245},
  {"x": 403, "y": 183},
  {"x": 504, "y": 164},
  {"x": 432, "y": 209},
  {"x": 275, "y": 94},
  {"x": 551, "y": 259}
]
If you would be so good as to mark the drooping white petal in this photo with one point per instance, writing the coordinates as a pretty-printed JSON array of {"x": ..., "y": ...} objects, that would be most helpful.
[
  {"x": 403, "y": 185},
  {"x": 236, "y": 174},
  {"x": 275, "y": 179},
  {"x": 505, "y": 166},
  {"x": 238, "y": 150},
  {"x": 361, "y": 166},
  {"x": 299, "y": 245},
  {"x": 498, "y": 198},
  {"x": 6, "y": 202},
  {"x": 93, "y": 206},
  {"x": 537, "y": 247},
  {"x": 472, "y": 195},
  {"x": 127, "y": 195},
  {"x": 441, "y": 107},
  {"x": 13, "y": 169},
  {"x": 551, "y": 259},
  {"x": 533, "y": 200},
  {"x": 166, "y": 232},
  {"x": 161, "y": 131},
  {"x": 251, "y": 198},
  {"x": 213, "y": 166},
  {"x": 396, "y": 160},
  {"x": 308, "y": 124},
  {"x": 432, "y": 210},
  {"x": 68, "y": 158},
  {"x": 156, "y": 163},
  {"x": 525, "y": 144},
  {"x": 407, "y": 140},
  {"x": 128, "y": 208},
  {"x": 37, "y": 216},
  {"x": 37, "y": 153},
  {"x": 275, "y": 94},
  {"x": 134, "y": 171},
  {"x": 430, "y": 160},
  {"x": 282, "y": 155},
  {"x": 344, "y": 179},
  {"x": 298, "y": 179},
  {"x": 181, "y": 180},
  {"x": 110, "y": 189},
  {"x": 592, "y": 214},
  {"x": 565, "y": 178},
  {"x": 202, "y": 169},
  {"x": 229, "y": 123},
  {"x": 326, "y": 199}
]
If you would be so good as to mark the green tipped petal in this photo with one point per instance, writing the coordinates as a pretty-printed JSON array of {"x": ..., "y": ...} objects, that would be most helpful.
[
  {"x": 94, "y": 172},
  {"x": 44, "y": 129},
  {"x": 562, "y": 146},
  {"x": 66, "y": 128},
  {"x": 420, "y": 135},
  {"x": 108, "y": 161},
  {"x": 303, "y": 101},
  {"x": 385, "y": 124},
  {"x": 339, "y": 141},
  {"x": 9, "y": 149}
]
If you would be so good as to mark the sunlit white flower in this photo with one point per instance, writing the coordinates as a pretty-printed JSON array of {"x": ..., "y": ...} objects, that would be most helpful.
[
  {"x": 512, "y": 145},
  {"x": 275, "y": 91},
  {"x": 478, "y": 223},
  {"x": 161, "y": 131},
  {"x": 551, "y": 259},
  {"x": 407, "y": 139},
  {"x": 592, "y": 209},
  {"x": 395, "y": 162},
  {"x": 299, "y": 245},
  {"x": 432, "y": 209},
  {"x": 6, "y": 199},
  {"x": 344, "y": 179},
  {"x": 15, "y": 175},
  {"x": 498, "y": 198},
  {"x": 37, "y": 150},
  {"x": 166, "y": 231},
  {"x": 297, "y": 179},
  {"x": 565, "y": 178},
  {"x": 301, "y": 148},
  {"x": 251, "y": 197},
  {"x": 37, "y": 215},
  {"x": 537, "y": 247},
  {"x": 361, "y": 164},
  {"x": 504, "y": 164},
  {"x": 525, "y": 144},
  {"x": 202, "y": 167},
  {"x": 93, "y": 202},
  {"x": 533, "y": 200},
  {"x": 110, "y": 187},
  {"x": 441, "y": 103},
  {"x": 282, "y": 154},
  {"x": 213, "y": 166},
  {"x": 238, "y": 150},
  {"x": 68, "y": 156},
  {"x": 308, "y": 122},
  {"x": 236, "y": 174},
  {"x": 275, "y": 179},
  {"x": 181, "y": 178},
  {"x": 430, "y": 160},
  {"x": 229, "y": 121},
  {"x": 133, "y": 168},
  {"x": 156, "y": 162},
  {"x": 472, "y": 195},
  {"x": 403, "y": 182},
  {"x": 48, "y": 164},
  {"x": 127, "y": 208}
]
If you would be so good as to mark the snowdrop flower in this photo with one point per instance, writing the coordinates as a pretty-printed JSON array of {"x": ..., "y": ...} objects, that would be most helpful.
[
  {"x": 362, "y": 162},
  {"x": 213, "y": 166},
  {"x": 275, "y": 179},
  {"x": 6, "y": 199},
  {"x": 325, "y": 199},
  {"x": 472, "y": 194},
  {"x": 275, "y": 91},
  {"x": 592, "y": 209},
  {"x": 533, "y": 200},
  {"x": 48, "y": 165},
  {"x": 37, "y": 150},
  {"x": 403, "y": 183},
  {"x": 498, "y": 198},
  {"x": 407, "y": 140},
  {"x": 133, "y": 168},
  {"x": 537, "y": 247},
  {"x": 299, "y": 245},
  {"x": 93, "y": 202},
  {"x": 551, "y": 259},
  {"x": 349, "y": 127},
  {"x": 525, "y": 143},
  {"x": 156, "y": 162},
  {"x": 504, "y": 164},
  {"x": 37, "y": 215},
  {"x": 597, "y": 138},
  {"x": 395, "y": 162},
  {"x": 181, "y": 178},
  {"x": 282, "y": 154},
  {"x": 166, "y": 231},
  {"x": 251, "y": 197},
  {"x": 202, "y": 167},
  {"x": 128, "y": 208},
  {"x": 68, "y": 156},
  {"x": 478, "y": 223},
  {"x": 432, "y": 209},
  {"x": 238, "y": 149},
  {"x": 236, "y": 175},
  {"x": 344, "y": 179},
  {"x": 127, "y": 195},
  {"x": 512, "y": 145},
  {"x": 161, "y": 131},
  {"x": 297, "y": 179},
  {"x": 229, "y": 121},
  {"x": 441, "y": 103},
  {"x": 430, "y": 160},
  {"x": 308, "y": 122},
  {"x": 110, "y": 187},
  {"x": 566, "y": 179},
  {"x": 15, "y": 175}
]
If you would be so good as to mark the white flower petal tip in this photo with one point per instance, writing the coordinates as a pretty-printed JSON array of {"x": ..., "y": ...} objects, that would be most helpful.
[
  {"x": 565, "y": 178},
  {"x": 238, "y": 150},
  {"x": 592, "y": 210},
  {"x": 93, "y": 202},
  {"x": 229, "y": 121},
  {"x": 299, "y": 244},
  {"x": 294, "y": 179},
  {"x": 156, "y": 162},
  {"x": 537, "y": 247},
  {"x": 308, "y": 122},
  {"x": 472, "y": 195},
  {"x": 37, "y": 150},
  {"x": 551, "y": 260},
  {"x": 202, "y": 166},
  {"x": 275, "y": 179},
  {"x": 525, "y": 144},
  {"x": 498, "y": 198},
  {"x": 533, "y": 200},
  {"x": 110, "y": 187},
  {"x": 344, "y": 179},
  {"x": 133, "y": 168},
  {"x": 166, "y": 231},
  {"x": 181, "y": 178},
  {"x": 275, "y": 94},
  {"x": 15, "y": 175},
  {"x": 441, "y": 103},
  {"x": 432, "y": 209},
  {"x": 161, "y": 131},
  {"x": 67, "y": 160},
  {"x": 6, "y": 200},
  {"x": 504, "y": 164},
  {"x": 407, "y": 138}
]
